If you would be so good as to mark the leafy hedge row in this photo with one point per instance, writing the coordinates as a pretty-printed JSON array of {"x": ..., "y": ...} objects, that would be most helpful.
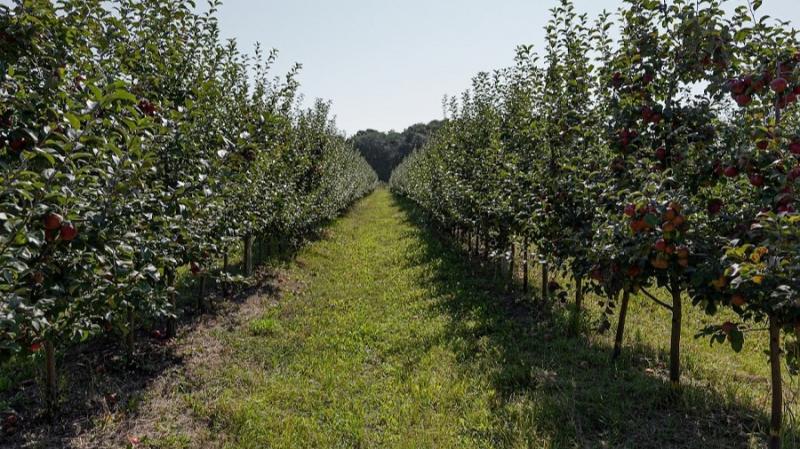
[
  {"x": 133, "y": 142},
  {"x": 666, "y": 157}
]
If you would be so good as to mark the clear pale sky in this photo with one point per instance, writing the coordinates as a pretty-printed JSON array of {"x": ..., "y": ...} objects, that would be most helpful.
[{"x": 387, "y": 64}]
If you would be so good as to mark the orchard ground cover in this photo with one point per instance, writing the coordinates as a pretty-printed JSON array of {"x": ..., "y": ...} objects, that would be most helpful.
[{"x": 385, "y": 335}]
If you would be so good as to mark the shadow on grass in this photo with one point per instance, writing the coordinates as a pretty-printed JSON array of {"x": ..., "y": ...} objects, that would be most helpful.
[
  {"x": 561, "y": 389},
  {"x": 98, "y": 385}
]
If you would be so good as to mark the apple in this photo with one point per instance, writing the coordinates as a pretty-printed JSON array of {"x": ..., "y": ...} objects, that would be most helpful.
[
  {"x": 68, "y": 231},
  {"x": 147, "y": 108},
  {"x": 682, "y": 252},
  {"x": 660, "y": 264},
  {"x": 616, "y": 80},
  {"x": 634, "y": 271},
  {"x": 762, "y": 144},
  {"x": 757, "y": 180},
  {"x": 731, "y": 171},
  {"x": 794, "y": 173},
  {"x": 661, "y": 153},
  {"x": 794, "y": 147},
  {"x": 668, "y": 226},
  {"x": 738, "y": 300},
  {"x": 195, "y": 268},
  {"x": 647, "y": 114},
  {"x": 18, "y": 144},
  {"x": 714, "y": 206},
  {"x": 660, "y": 245},
  {"x": 743, "y": 100},
  {"x": 51, "y": 236},
  {"x": 737, "y": 87},
  {"x": 727, "y": 327},
  {"x": 52, "y": 221},
  {"x": 630, "y": 210},
  {"x": 778, "y": 85}
]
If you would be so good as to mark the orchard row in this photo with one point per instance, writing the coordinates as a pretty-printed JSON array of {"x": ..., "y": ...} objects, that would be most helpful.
[
  {"x": 656, "y": 151},
  {"x": 134, "y": 142}
]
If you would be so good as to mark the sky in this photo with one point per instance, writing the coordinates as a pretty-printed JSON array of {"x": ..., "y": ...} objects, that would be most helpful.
[{"x": 386, "y": 64}]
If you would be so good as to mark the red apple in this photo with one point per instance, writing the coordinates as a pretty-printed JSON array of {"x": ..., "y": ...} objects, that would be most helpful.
[
  {"x": 731, "y": 171},
  {"x": 757, "y": 179},
  {"x": 630, "y": 210},
  {"x": 794, "y": 147},
  {"x": 18, "y": 144},
  {"x": 714, "y": 206},
  {"x": 647, "y": 113},
  {"x": 762, "y": 144},
  {"x": 661, "y": 153},
  {"x": 743, "y": 100},
  {"x": 727, "y": 327},
  {"x": 660, "y": 245},
  {"x": 779, "y": 85},
  {"x": 68, "y": 231},
  {"x": 682, "y": 252},
  {"x": 195, "y": 267},
  {"x": 794, "y": 173},
  {"x": 737, "y": 87},
  {"x": 52, "y": 221},
  {"x": 616, "y": 80}
]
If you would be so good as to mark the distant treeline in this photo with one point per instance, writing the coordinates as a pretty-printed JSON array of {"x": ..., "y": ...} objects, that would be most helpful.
[{"x": 384, "y": 151}]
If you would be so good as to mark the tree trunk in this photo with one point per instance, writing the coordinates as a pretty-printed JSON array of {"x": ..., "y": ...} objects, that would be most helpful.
[
  {"x": 525, "y": 265},
  {"x": 172, "y": 324},
  {"x": 623, "y": 313},
  {"x": 50, "y": 376},
  {"x": 576, "y": 317},
  {"x": 201, "y": 298},
  {"x": 777, "y": 384},
  {"x": 248, "y": 255},
  {"x": 545, "y": 281},
  {"x": 511, "y": 265},
  {"x": 130, "y": 336},
  {"x": 675, "y": 337}
]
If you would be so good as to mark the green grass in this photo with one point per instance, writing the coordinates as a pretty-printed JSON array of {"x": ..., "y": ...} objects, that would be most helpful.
[{"x": 393, "y": 340}]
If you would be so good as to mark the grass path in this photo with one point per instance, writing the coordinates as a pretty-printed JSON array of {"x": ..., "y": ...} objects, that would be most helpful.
[{"x": 391, "y": 340}]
